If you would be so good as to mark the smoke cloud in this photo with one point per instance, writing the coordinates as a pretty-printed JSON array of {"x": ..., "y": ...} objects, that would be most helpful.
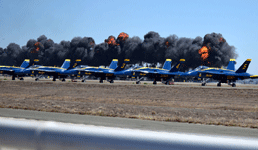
[{"x": 152, "y": 49}]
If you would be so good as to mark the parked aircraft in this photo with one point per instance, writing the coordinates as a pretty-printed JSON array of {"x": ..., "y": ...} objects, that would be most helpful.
[
  {"x": 222, "y": 75},
  {"x": 37, "y": 70},
  {"x": 15, "y": 71},
  {"x": 79, "y": 71},
  {"x": 108, "y": 74},
  {"x": 158, "y": 74},
  {"x": 231, "y": 66}
]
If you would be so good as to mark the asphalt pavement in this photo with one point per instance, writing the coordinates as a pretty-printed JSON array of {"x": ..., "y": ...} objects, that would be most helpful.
[{"x": 174, "y": 127}]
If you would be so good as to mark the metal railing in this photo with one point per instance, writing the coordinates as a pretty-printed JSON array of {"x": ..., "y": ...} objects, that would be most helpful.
[{"x": 43, "y": 135}]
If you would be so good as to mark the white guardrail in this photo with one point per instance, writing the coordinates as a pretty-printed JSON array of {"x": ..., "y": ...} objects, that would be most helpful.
[{"x": 44, "y": 135}]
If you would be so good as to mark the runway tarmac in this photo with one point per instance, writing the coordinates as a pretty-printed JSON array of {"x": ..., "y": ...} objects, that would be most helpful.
[
  {"x": 149, "y": 83},
  {"x": 131, "y": 123}
]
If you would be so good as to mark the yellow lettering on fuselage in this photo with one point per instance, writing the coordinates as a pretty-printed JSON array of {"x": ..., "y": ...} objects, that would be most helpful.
[
  {"x": 41, "y": 72},
  {"x": 208, "y": 75},
  {"x": 230, "y": 77},
  {"x": 163, "y": 75}
]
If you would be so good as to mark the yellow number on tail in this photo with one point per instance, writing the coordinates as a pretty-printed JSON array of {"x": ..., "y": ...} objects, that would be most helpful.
[
  {"x": 177, "y": 66},
  {"x": 123, "y": 65}
]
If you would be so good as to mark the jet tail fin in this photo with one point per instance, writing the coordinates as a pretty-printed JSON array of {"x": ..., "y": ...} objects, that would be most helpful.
[
  {"x": 35, "y": 62},
  {"x": 177, "y": 66},
  {"x": 66, "y": 64},
  {"x": 113, "y": 64},
  {"x": 167, "y": 64},
  {"x": 25, "y": 64},
  {"x": 77, "y": 62},
  {"x": 244, "y": 66},
  {"x": 231, "y": 64},
  {"x": 122, "y": 66}
]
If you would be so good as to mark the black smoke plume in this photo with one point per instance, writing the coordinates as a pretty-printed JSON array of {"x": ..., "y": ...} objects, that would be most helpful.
[{"x": 152, "y": 49}]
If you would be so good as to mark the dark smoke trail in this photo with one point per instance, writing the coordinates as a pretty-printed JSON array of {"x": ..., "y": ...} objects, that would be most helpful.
[{"x": 151, "y": 49}]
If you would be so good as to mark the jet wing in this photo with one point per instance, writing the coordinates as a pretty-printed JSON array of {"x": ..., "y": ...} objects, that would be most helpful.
[
  {"x": 44, "y": 72},
  {"x": 171, "y": 73},
  {"x": 5, "y": 71},
  {"x": 217, "y": 73},
  {"x": 228, "y": 75},
  {"x": 144, "y": 71},
  {"x": 254, "y": 76},
  {"x": 97, "y": 73}
]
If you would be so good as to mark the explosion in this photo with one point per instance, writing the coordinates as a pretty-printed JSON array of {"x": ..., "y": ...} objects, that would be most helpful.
[
  {"x": 37, "y": 46},
  {"x": 122, "y": 36},
  {"x": 167, "y": 44},
  {"x": 111, "y": 41},
  {"x": 210, "y": 50},
  {"x": 222, "y": 39},
  {"x": 204, "y": 52}
]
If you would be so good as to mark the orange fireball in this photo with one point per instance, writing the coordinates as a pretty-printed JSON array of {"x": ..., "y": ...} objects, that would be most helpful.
[
  {"x": 167, "y": 44},
  {"x": 123, "y": 36},
  {"x": 111, "y": 40},
  {"x": 204, "y": 52}
]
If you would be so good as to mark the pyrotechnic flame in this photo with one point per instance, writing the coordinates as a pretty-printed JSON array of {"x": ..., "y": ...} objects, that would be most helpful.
[
  {"x": 123, "y": 36},
  {"x": 204, "y": 52},
  {"x": 37, "y": 47},
  {"x": 167, "y": 44},
  {"x": 111, "y": 40},
  {"x": 222, "y": 40}
]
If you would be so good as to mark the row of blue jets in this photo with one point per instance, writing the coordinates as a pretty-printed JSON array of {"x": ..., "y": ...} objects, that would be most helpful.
[{"x": 165, "y": 74}]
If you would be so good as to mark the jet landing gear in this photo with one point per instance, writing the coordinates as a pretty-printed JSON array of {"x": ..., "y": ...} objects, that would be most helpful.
[
  {"x": 233, "y": 85},
  {"x": 63, "y": 80},
  {"x": 154, "y": 82},
  {"x": 168, "y": 82},
  {"x": 13, "y": 77},
  {"x": 21, "y": 78},
  {"x": 111, "y": 81},
  {"x": 100, "y": 81},
  {"x": 139, "y": 80},
  {"x": 205, "y": 81},
  {"x": 54, "y": 78}
]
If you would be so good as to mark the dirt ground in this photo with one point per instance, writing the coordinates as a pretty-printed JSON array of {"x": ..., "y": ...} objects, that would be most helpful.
[{"x": 179, "y": 102}]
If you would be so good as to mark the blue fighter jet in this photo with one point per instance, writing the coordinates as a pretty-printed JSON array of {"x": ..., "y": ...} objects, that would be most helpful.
[
  {"x": 15, "y": 71},
  {"x": 79, "y": 71},
  {"x": 165, "y": 75},
  {"x": 37, "y": 70},
  {"x": 108, "y": 74},
  {"x": 194, "y": 73},
  {"x": 222, "y": 75}
]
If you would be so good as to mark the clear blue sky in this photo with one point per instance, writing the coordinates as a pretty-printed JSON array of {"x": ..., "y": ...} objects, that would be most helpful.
[{"x": 236, "y": 20}]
